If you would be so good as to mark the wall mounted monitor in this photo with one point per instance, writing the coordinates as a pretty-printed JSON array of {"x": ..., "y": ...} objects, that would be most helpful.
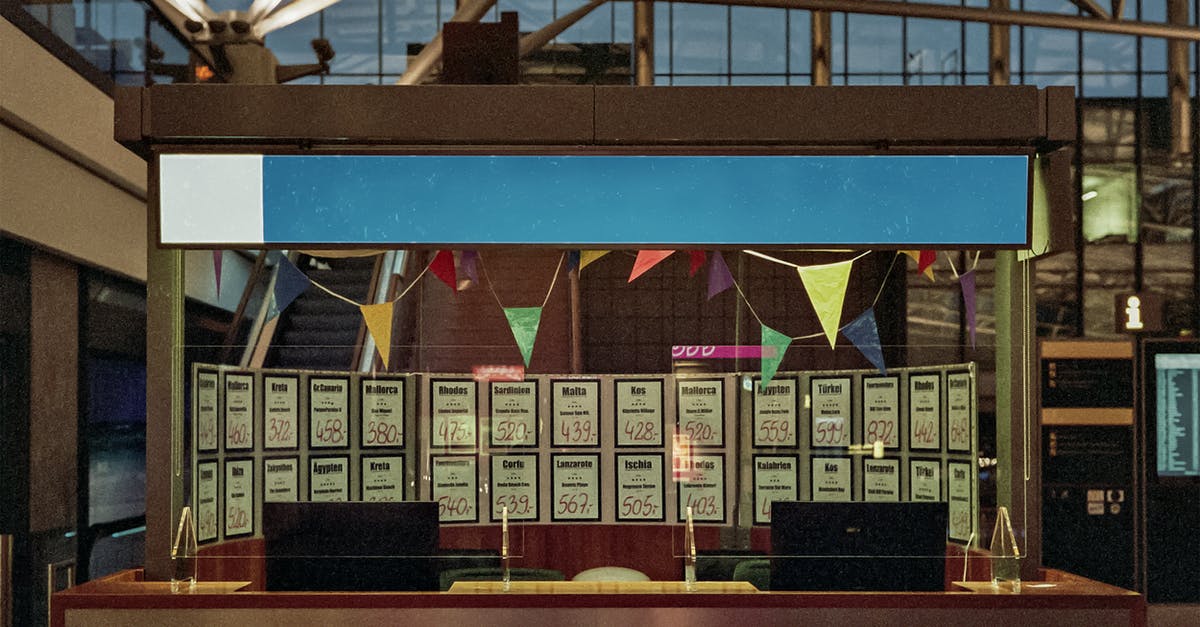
[{"x": 1171, "y": 393}]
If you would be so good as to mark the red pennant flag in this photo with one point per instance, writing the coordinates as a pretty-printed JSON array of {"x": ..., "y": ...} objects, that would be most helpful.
[
  {"x": 926, "y": 260},
  {"x": 442, "y": 267},
  {"x": 698, "y": 258},
  {"x": 218, "y": 256},
  {"x": 647, "y": 259}
]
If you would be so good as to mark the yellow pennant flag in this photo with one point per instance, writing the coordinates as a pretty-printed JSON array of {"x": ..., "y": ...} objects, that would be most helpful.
[
  {"x": 826, "y": 287},
  {"x": 588, "y": 256},
  {"x": 379, "y": 323}
]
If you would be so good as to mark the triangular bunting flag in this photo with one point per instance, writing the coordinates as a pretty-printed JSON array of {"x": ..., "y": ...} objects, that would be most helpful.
[
  {"x": 379, "y": 323},
  {"x": 572, "y": 260},
  {"x": 647, "y": 259},
  {"x": 826, "y": 287},
  {"x": 290, "y": 282},
  {"x": 467, "y": 263},
  {"x": 588, "y": 256},
  {"x": 967, "y": 281},
  {"x": 698, "y": 257},
  {"x": 924, "y": 259},
  {"x": 863, "y": 333},
  {"x": 778, "y": 341},
  {"x": 524, "y": 324},
  {"x": 218, "y": 256},
  {"x": 442, "y": 267},
  {"x": 719, "y": 278}
]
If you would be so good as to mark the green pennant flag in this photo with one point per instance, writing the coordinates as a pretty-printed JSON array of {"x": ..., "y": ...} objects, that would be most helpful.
[
  {"x": 524, "y": 323},
  {"x": 779, "y": 343}
]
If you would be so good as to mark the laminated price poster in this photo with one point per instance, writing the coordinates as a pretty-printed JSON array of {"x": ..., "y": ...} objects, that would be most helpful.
[
  {"x": 456, "y": 487},
  {"x": 959, "y": 479},
  {"x": 453, "y": 413},
  {"x": 703, "y": 489},
  {"x": 239, "y": 411},
  {"x": 640, "y": 486},
  {"x": 924, "y": 480},
  {"x": 958, "y": 411},
  {"x": 881, "y": 479},
  {"x": 328, "y": 479},
  {"x": 239, "y": 497},
  {"x": 205, "y": 414},
  {"x": 775, "y": 413},
  {"x": 281, "y": 479},
  {"x": 830, "y": 411},
  {"x": 382, "y": 478},
  {"x": 281, "y": 412},
  {"x": 776, "y": 478},
  {"x": 515, "y": 486},
  {"x": 831, "y": 479},
  {"x": 639, "y": 412},
  {"x": 328, "y": 412},
  {"x": 700, "y": 405},
  {"x": 924, "y": 411},
  {"x": 881, "y": 411},
  {"x": 382, "y": 412},
  {"x": 575, "y": 412},
  {"x": 514, "y": 412},
  {"x": 206, "y": 501},
  {"x": 575, "y": 487}
]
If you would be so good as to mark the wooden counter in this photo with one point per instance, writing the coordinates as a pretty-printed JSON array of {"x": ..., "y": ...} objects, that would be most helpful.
[{"x": 124, "y": 600}]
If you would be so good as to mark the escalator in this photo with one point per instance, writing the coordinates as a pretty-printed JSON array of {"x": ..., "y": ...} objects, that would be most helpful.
[{"x": 318, "y": 331}]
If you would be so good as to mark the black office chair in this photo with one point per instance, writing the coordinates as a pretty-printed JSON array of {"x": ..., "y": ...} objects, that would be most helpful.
[
  {"x": 448, "y": 577},
  {"x": 757, "y": 572}
]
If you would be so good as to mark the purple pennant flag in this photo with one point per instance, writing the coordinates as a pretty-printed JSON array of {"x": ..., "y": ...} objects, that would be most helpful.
[
  {"x": 864, "y": 334},
  {"x": 967, "y": 280},
  {"x": 719, "y": 278},
  {"x": 218, "y": 256},
  {"x": 572, "y": 260},
  {"x": 290, "y": 282},
  {"x": 467, "y": 264}
]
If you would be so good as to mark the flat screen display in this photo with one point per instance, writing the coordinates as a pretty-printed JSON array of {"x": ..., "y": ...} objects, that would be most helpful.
[
  {"x": 351, "y": 546},
  {"x": 858, "y": 546},
  {"x": 1177, "y": 414}
]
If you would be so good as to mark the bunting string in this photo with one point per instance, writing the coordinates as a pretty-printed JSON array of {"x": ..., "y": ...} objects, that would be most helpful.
[{"x": 550, "y": 291}]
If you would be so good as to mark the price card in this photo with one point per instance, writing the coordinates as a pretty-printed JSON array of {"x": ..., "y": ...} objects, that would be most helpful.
[
  {"x": 704, "y": 489},
  {"x": 514, "y": 413},
  {"x": 239, "y": 411},
  {"x": 775, "y": 413},
  {"x": 455, "y": 487},
  {"x": 831, "y": 479},
  {"x": 639, "y": 412},
  {"x": 776, "y": 478},
  {"x": 958, "y": 411},
  {"x": 881, "y": 410},
  {"x": 924, "y": 480},
  {"x": 830, "y": 411},
  {"x": 281, "y": 479},
  {"x": 281, "y": 412},
  {"x": 382, "y": 478},
  {"x": 328, "y": 413},
  {"x": 925, "y": 411},
  {"x": 239, "y": 497},
  {"x": 328, "y": 479},
  {"x": 640, "y": 487},
  {"x": 204, "y": 415},
  {"x": 575, "y": 413},
  {"x": 575, "y": 487},
  {"x": 206, "y": 500},
  {"x": 515, "y": 486},
  {"x": 960, "y": 477},
  {"x": 382, "y": 412},
  {"x": 881, "y": 479},
  {"x": 701, "y": 411},
  {"x": 453, "y": 415}
]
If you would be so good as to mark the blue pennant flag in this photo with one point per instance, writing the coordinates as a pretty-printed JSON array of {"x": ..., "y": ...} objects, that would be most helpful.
[
  {"x": 864, "y": 334},
  {"x": 290, "y": 283}
]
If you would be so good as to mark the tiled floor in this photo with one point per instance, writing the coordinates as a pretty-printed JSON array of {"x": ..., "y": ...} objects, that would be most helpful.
[{"x": 1172, "y": 615}]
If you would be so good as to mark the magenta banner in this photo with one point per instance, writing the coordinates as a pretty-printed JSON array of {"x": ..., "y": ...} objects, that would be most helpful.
[{"x": 722, "y": 352}]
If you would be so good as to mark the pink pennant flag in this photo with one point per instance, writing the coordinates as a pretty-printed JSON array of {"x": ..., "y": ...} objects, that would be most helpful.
[
  {"x": 967, "y": 281},
  {"x": 698, "y": 257},
  {"x": 719, "y": 278},
  {"x": 647, "y": 259},
  {"x": 442, "y": 267},
  {"x": 218, "y": 256}
]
